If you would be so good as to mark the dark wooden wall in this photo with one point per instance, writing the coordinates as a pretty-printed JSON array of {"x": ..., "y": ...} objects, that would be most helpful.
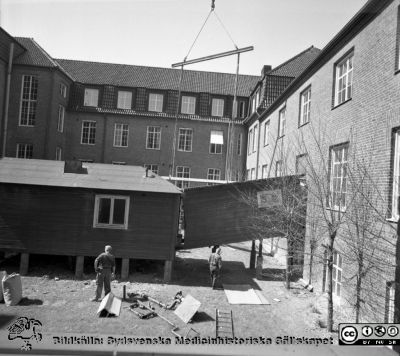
[
  {"x": 226, "y": 213},
  {"x": 59, "y": 221}
]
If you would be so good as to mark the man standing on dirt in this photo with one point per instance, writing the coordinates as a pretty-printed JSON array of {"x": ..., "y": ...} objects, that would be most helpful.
[
  {"x": 104, "y": 265},
  {"x": 215, "y": 262}
]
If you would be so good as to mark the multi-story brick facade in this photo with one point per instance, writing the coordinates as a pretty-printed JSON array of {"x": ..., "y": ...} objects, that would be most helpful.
[{"x": 338, "y": 122}]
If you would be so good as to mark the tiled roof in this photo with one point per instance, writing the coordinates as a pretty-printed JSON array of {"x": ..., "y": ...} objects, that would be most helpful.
[
  {"x": 297, "y": 64},
  {"x": 157, "y": 78},
  {"x": 99, "y": 176},
  {"x": 35, "y": 55}
]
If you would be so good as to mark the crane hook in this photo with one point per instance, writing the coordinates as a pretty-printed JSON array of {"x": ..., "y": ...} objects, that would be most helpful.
[{"x": 212, "y": 5}]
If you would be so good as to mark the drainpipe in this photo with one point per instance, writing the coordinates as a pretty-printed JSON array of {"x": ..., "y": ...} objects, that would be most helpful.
[
  {"x": 258, "y": 144},
  {"x": 7, "y": 98}
]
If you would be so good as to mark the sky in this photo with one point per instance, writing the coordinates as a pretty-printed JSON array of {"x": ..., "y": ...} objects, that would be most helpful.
[{"x": 158, "y": 33}]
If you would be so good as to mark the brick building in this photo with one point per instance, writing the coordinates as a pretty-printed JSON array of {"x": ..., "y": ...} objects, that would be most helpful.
[
  {"x": 125, "y": 114},
  {"x": 338, "y": 124}
]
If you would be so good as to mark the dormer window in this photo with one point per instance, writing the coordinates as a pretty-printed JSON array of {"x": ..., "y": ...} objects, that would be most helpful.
[
  {"x": 217, "y": 107},
  {"x": 188, "y": 105},
  {"x": 91, "y": 97},
  {"x": 156, "y": 102},
  {"x": 124, "y": 100}
]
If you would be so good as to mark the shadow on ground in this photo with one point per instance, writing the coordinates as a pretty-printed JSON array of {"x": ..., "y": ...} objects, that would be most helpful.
[
  {"x": 28, "y": 301},
  {"x": 6, "y": 320},
  {"x": 274, "y": 274}
]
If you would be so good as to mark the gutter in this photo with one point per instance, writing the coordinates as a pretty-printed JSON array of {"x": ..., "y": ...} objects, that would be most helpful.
[{"x": 7, "y": 98}]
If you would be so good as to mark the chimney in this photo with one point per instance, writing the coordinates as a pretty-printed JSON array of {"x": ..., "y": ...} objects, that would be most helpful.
[{"x": 265, "y": 69}]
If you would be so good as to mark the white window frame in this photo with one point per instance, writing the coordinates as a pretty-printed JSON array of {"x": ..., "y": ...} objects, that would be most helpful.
[
  {"x": 249, "y": 142},
  {"x": 92, "y": 127},
  {"x": 338, "y": 174},
  {"x": 396, "y": 176},
  {"x": 278, "y": 168},
  {"x": 28, "y": 102},
  {"x": 61, "y": 116},
  {"x": 239, "y": 144},
  {"x": 124, "y": 100},
  {"x": 182, "y": 172},
  {"x": 216, "y": 148},
  {"x": 152, "y": 167},
  {"x": 156, "y": 102},
  {"x": 91, "y": 97},
  {"x": 217, "y": 107},
  {"x": 337, "y": 270},
  {"x": 188, "y": 105},
  {"x": 155, "y": 131},
  {"x": 58, "y": 154},
  {"x": 242, "y": 109},
  {"x": 264, "y": 171},
  {"x": 110, "y": 225},
  {"x": 185, "y": 139},
  {"x": 305, "y": 106},
  {"x": 24, "y": 148},
  {"x": 344, "y": 79},
  {"x": 282, "y": 122},
  {"x": 63, "y": 90},
  {"x": 253, "y": 174},
  {"x": 121, "y": 131},
  {"x": 266, "y": 133},
  {"x": 213, "y": 174}
]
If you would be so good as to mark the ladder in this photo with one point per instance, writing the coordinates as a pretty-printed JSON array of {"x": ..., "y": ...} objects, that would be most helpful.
[{"x": 223, "y": 323}]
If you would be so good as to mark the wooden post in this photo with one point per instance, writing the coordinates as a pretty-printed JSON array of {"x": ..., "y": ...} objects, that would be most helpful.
[
  {"x": 168, "y": 271},
  {"x": 125, "y": 268},
  {"x": 24, "y": 264},
  {"x": 253, "y": 255},
  {"x": 79, "y": 266}
]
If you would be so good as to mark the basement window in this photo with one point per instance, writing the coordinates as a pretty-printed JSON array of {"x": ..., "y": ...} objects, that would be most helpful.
[{"x": 111, "y": 211}]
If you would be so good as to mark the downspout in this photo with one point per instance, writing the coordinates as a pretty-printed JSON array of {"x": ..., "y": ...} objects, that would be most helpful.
[
  {"x": 258, "y": 144},
  {"x": 7, "y": 98}
]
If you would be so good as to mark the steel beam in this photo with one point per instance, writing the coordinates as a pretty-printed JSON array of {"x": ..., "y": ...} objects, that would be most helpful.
[{"x": 213, "y": 56}]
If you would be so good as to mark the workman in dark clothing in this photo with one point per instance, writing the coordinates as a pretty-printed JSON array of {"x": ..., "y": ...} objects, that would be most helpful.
[
  {"x": 104, "y": 265},
  {"x": 215, "y": 262}
]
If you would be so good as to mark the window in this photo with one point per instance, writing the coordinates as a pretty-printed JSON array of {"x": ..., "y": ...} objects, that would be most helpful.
[
  {"x": 344, "y": 80},
  {"x": 156, "y": 102},
  {"x": 255, "y": 138},
  {"x": 58, "y": 154},
  {"x": 61, "y": 114},
  {"x": 182, "y": 172},
  {"x": 239, "y": 144},
  {"x": 253, "y": 174},
  {"x": 213, "y": 174},
  {"x": 29, "y": 93},
  {"x": 118, "y": 163},
  {"x": 63, "y": 90},
  {"x": 91, "y": 97},
  {"x": 111, "y": 211},
  {"x": 305, "y": 106},
  {"x": 250, "y": 142},
  {"x": 185, "y": 140},
  {"x": 278, "y": 169},
  {"x": 266, "y": 133},
  {"x": 188, "y": 105},
  {"x": 264, "y": 171},
  {"x": 282, "y": 122},
  {"x": 121, "y": 132},
  {"x": 301, "y": 164},
  {"x": 216, "y": 142},
  {"x": 153, "y": 140},
  {"x": 124, "y": 100},
  {"x": 396, "y": 176},
  {"x": 389, "y": 302},
  {"x": 24, "y": 150},
  {"x": 242, "y": 109},
  {"x": 248, "y": 174},
  {"x": 337, "y": 274},
  {"x": 217, "y": 107},
  {"x": 152, "y": 167},
  {"x": 338, "y": 177},
  {"x": 88, "y": 133}
]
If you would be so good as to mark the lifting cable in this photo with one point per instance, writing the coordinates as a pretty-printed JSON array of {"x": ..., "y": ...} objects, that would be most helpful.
[{"x": 234, "y": 113}]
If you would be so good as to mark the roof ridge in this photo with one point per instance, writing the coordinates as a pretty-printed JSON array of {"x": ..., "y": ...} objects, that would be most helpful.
[
  {"x": 156, "y": 67},
  {"x": 292, "y": 59}
]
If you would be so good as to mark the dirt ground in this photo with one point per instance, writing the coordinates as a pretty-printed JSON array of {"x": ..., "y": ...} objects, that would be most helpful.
[{"x": 62, "y": 304}]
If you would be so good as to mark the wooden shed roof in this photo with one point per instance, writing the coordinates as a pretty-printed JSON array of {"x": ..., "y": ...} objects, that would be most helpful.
[{"x": 99, "y": 176}]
